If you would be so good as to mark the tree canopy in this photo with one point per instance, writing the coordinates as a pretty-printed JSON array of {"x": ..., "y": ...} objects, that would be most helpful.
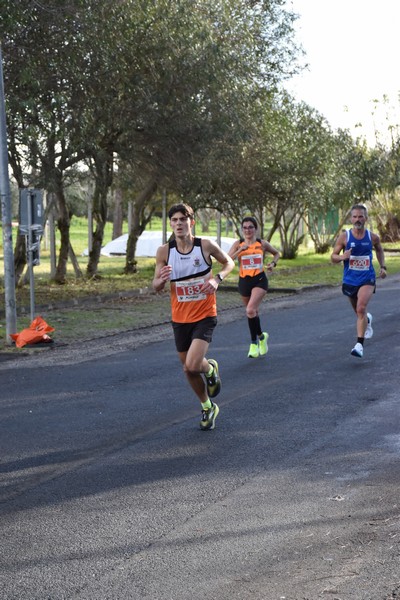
[{"x": 178, "y": 95}]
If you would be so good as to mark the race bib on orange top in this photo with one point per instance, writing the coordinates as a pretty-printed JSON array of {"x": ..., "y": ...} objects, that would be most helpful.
[
  {"x": 189, "y": 290},
  {"x": 359, "y": 263},
  {"x": 250, "y": 262}
]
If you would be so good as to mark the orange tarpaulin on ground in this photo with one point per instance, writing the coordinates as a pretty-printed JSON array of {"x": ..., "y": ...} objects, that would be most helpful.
[{"x": 35, "y": 333}]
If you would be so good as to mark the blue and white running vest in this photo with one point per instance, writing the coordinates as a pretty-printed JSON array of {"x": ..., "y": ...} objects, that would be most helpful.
[{"x": 358, "y": 270}]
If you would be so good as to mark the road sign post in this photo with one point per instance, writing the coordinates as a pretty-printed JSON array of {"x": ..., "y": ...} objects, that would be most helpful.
[{"x": 31, "y": 225}]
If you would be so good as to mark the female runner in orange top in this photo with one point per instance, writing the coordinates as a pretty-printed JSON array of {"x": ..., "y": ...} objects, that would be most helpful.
[{"x": 250, "y": 251}]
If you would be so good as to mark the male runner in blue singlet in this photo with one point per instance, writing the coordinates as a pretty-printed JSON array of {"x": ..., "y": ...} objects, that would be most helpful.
[{"x": 354, "y": 248}]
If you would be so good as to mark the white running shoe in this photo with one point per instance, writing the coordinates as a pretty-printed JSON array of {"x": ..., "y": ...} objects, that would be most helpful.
[
  {"x": 358, "y": 350},
  {"x": 369, "y": 332}
]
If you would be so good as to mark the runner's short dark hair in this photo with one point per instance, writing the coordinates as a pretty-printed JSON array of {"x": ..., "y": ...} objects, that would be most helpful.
[
  {"x": 251, "y": 219},
  {"x": 185, "y": 209}
]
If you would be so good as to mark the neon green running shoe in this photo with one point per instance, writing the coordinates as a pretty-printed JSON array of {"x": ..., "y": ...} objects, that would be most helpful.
[
  {"x": 208, "y": 417},
  {"x": 263, "y": 343},
  {"x": 253, "y": 350},
  {"x": 214, "y": 381}
]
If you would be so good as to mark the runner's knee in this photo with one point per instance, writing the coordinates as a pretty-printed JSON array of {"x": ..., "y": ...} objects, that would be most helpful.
[
  {"x": 192, "y": 367},
  {"x": 251, "y": 312},
  {"x": 361, "y": 310}
]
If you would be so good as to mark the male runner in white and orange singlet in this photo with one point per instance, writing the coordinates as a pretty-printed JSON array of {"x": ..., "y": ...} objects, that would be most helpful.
[
  {"x": 186, "y": 262},
  {"x": 354, "y": 248}
]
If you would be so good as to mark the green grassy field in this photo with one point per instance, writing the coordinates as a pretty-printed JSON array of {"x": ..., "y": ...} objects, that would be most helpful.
[{"x": 307, "y": 269}]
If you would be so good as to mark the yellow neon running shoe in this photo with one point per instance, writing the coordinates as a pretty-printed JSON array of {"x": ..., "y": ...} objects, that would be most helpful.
[
  {"x": 253, "y": 350},
  {"x": 208, "y": 417},
  {"x": 263, "y": 344}
]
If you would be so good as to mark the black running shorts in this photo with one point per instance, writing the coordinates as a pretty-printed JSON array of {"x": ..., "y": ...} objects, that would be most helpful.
[
  {"x": 246, "y": 284},
  {"x": 185, "y": 333},
  {"x": 351, "y": 291}
]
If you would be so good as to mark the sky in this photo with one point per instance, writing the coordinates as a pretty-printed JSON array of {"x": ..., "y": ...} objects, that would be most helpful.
[{"x": 353, "y": 52}]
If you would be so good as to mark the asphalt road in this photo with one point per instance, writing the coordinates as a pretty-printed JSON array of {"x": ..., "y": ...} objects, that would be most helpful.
[{"x": 110, "y": 491}]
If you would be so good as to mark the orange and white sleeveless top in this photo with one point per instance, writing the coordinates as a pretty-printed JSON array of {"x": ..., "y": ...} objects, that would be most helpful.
[
  {"x": 251, "y": 261},
  {"x": 189, "y": 272}
]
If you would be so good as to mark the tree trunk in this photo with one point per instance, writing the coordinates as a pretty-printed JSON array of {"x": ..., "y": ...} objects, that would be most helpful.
[
  {"x": 118, "y": 214},
  {"x": 63, "y": 224},
  {"x": 389, "y": 228},
  {"x": 290, "y": 233},
  {"x": 19, "y": 257},
  {"x": 74, "y": 261},
  {"x": 138, "y": 223},
  {"x": 103, "y": 167},
  {"x": 16, "y": 166}
]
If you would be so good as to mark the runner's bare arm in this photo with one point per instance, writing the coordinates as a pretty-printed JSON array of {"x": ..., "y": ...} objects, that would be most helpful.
[
  {"x": 211, "y": 249},
  {"x": 340, "y": 244},
  {"x": 162, "y": 271},
  {"x": 380, "y": 254},
  {"x": 236, "y": 249},
  {"x": 267, "y": 247}
]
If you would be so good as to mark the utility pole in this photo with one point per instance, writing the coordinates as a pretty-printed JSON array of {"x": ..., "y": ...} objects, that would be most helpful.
[
  {"x": 6, "y": 212},
  {"x": 164, "y": 216}
]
